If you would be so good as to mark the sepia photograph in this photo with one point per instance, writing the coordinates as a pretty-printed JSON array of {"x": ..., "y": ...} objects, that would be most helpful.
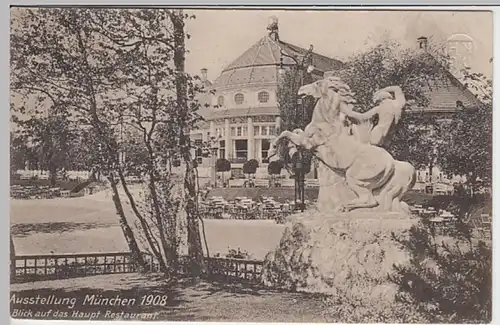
[{"x": 218, "y": 164}]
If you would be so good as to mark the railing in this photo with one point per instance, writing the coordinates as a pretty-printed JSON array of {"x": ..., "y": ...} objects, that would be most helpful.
[
  {"x": 27, "y": 268},
  {"x": 61, "y": 266},
  {"x": 233, "y": 269}
]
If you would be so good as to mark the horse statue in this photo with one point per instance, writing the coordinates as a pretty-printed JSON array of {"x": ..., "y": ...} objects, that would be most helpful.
[{"x": 362, "y": 174}]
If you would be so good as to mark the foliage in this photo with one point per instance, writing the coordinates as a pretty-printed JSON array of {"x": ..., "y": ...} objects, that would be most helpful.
[
  {"x": 295, "y": 112},
  {"x": 417, "y": 72},
  {"x": 222, "y": 165},
  {"x": 274, "y": 167},
  {"x": 448, "y": 281},
  {"x": 250, "y": 166},
  {"x": 467, "y": 148},
  {"x": 109, "y": 71}
]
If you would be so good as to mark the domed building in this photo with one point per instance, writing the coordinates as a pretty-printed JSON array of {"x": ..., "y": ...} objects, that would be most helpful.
[{"x": 244, "y": 116}]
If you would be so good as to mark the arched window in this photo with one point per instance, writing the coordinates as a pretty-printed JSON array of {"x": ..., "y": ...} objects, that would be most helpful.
[
  {"x": 220, "y": 101},
  {"x": 239, "y": 98},
  {"x": 263, "y": 97}
]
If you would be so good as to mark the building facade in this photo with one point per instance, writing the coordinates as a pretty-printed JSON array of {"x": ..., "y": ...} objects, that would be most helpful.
[{"x": 244, "y": 114}]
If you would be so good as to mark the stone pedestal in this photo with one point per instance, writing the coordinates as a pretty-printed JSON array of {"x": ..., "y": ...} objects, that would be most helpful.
[{"x": 345, "y": 254}]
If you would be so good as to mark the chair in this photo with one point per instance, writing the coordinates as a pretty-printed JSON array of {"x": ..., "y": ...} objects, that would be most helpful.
[{"x": 486, "y": 225}]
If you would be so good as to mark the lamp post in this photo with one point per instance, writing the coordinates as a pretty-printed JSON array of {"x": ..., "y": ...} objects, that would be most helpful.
[
  {"x": 302, "y": 68},
  {"x": 213, "y": 146}
]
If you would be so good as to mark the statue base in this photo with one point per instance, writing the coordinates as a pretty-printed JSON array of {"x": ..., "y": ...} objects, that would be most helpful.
[{"x": 344, "y": 254}]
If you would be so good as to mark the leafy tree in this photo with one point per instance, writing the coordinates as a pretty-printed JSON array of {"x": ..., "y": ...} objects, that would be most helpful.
[
  {"x": 222, "y": 165},
  {"x": 250, "y": 166},
  {"x": 274, "y": 168},
  {"x": 110, "y": 70},
  {"x": 417, "y": 72},
  {"x": 466, "y": 149}
]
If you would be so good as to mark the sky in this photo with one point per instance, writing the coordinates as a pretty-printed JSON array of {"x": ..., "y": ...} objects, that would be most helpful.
[{"x": 220, "y": 36}]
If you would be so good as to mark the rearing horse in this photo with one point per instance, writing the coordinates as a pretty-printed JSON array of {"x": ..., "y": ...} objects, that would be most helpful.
[{"x": 366, "y": 168}]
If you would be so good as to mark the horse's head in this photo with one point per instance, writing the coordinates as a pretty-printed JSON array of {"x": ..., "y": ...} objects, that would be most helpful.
[
  {"x": 380, "y": 96},
  {"x": 330, "y": 92}
]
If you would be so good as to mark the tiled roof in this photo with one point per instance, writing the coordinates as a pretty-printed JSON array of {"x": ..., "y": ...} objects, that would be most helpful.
[
  {"x": 443, "y": 96},
  {"x": 260, "y": 63},
  {"x": 320, "y": 62}
]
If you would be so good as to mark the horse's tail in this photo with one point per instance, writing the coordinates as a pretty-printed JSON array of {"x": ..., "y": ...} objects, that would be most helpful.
[{"x": 389, "y": 170}]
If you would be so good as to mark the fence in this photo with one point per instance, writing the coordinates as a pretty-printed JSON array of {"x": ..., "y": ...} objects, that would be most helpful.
[
  {"x": 48, "y": 267},
  {"x": 26, "y": 268}
]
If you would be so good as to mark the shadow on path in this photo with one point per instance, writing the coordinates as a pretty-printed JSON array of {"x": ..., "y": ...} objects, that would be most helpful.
[
  {"x": 186, "y": 300},
  {"x": 26, "y": 229}
]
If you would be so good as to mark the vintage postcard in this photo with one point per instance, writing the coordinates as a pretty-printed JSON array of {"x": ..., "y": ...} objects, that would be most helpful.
[{"x": 246, "y": 165}]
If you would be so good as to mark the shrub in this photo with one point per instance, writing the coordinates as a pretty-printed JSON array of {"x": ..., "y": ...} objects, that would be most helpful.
[{"x": 449, "y": 278}]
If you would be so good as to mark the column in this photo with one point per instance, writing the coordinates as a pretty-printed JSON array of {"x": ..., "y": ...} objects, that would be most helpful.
[
  {"x": 278, "y": 124},
  {"x": 212, "y": 129},
  {"x": 250, "y": 137},
  {"x": 227, "y": 138}
]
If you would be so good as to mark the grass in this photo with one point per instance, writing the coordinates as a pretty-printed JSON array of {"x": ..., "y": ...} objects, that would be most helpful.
[
  {"x": 82, "y": 225},
  {"x": 67, "y": 185},
  {"x": 186, "y": 300}
]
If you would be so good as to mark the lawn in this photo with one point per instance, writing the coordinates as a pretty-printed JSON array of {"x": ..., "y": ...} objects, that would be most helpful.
[
  {"x": 85, "y": 225},
  {"x": 67, "y": 185},
  {"x": 186, "y": 301}
]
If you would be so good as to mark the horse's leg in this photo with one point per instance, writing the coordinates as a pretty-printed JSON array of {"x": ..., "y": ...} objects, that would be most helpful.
[
  {"x": 365, "y": 197},
  {"x": 297, "y": 139}
]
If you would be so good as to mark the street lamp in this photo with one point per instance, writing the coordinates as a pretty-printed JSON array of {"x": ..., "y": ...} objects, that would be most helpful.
[
  {"x": 303, "y": 68},
  {"x": 213, "y": 146}
]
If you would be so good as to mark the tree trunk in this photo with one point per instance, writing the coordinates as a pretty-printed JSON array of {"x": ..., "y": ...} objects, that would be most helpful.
[
  {"x": 52, "y": 176},
  {"x": 195, "y": 251},
  {"x": 12, "y": 261},
  {"x": 127, "y": 231}
]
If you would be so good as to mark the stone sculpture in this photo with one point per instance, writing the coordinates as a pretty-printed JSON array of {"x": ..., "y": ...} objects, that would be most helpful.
[
  {"x": 365, "y": 174},
  {"x": 346, "y": 246}
]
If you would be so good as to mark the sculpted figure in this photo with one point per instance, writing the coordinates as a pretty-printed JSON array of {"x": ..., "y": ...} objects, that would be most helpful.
[
  {"x": 368, "y": 170},
  {"x": 388, "y": 110},
  {"x": 365, "y": 167}
]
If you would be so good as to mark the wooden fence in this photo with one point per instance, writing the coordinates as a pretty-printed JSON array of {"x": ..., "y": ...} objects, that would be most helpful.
[{"x": 27, "y": 268}]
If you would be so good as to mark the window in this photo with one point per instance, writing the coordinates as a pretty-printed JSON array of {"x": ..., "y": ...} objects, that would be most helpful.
[
  {"x": 256, "y": 130},
  {"x": 238, "y": 131},
  {"x": 239, "y": 98},
  {"x": 264, "y": 130},
  {"x": 272, "y": 130},
  {"x": 266, "y": 145},
  {"x": 241, "y": 147},
  {"x": 222, "y": 149},
  {"x": 263, "y": 97},
  {"x": 198, "y": 142},
  {"x": 244, "y": 130},
  {"x": 199, "y": 160},
  {"x": 220, "y": 101}
]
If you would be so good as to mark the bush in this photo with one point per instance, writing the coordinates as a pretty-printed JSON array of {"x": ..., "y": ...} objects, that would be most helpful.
[{"x": 448, "y": 280}]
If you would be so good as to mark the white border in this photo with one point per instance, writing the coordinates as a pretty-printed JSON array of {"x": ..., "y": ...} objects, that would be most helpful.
[{"x": 283, "y": 5}]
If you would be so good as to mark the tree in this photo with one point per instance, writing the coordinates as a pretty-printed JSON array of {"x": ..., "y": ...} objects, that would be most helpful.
[
  {"x": 417, "y": 72},
  {"x": 186, "y": 111},
  {"x": 274, "y": 168},
  {"x": 222, "y": 165},
  {"x": 109, "y": 69},
  {"x": 466, "y": 149}
]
